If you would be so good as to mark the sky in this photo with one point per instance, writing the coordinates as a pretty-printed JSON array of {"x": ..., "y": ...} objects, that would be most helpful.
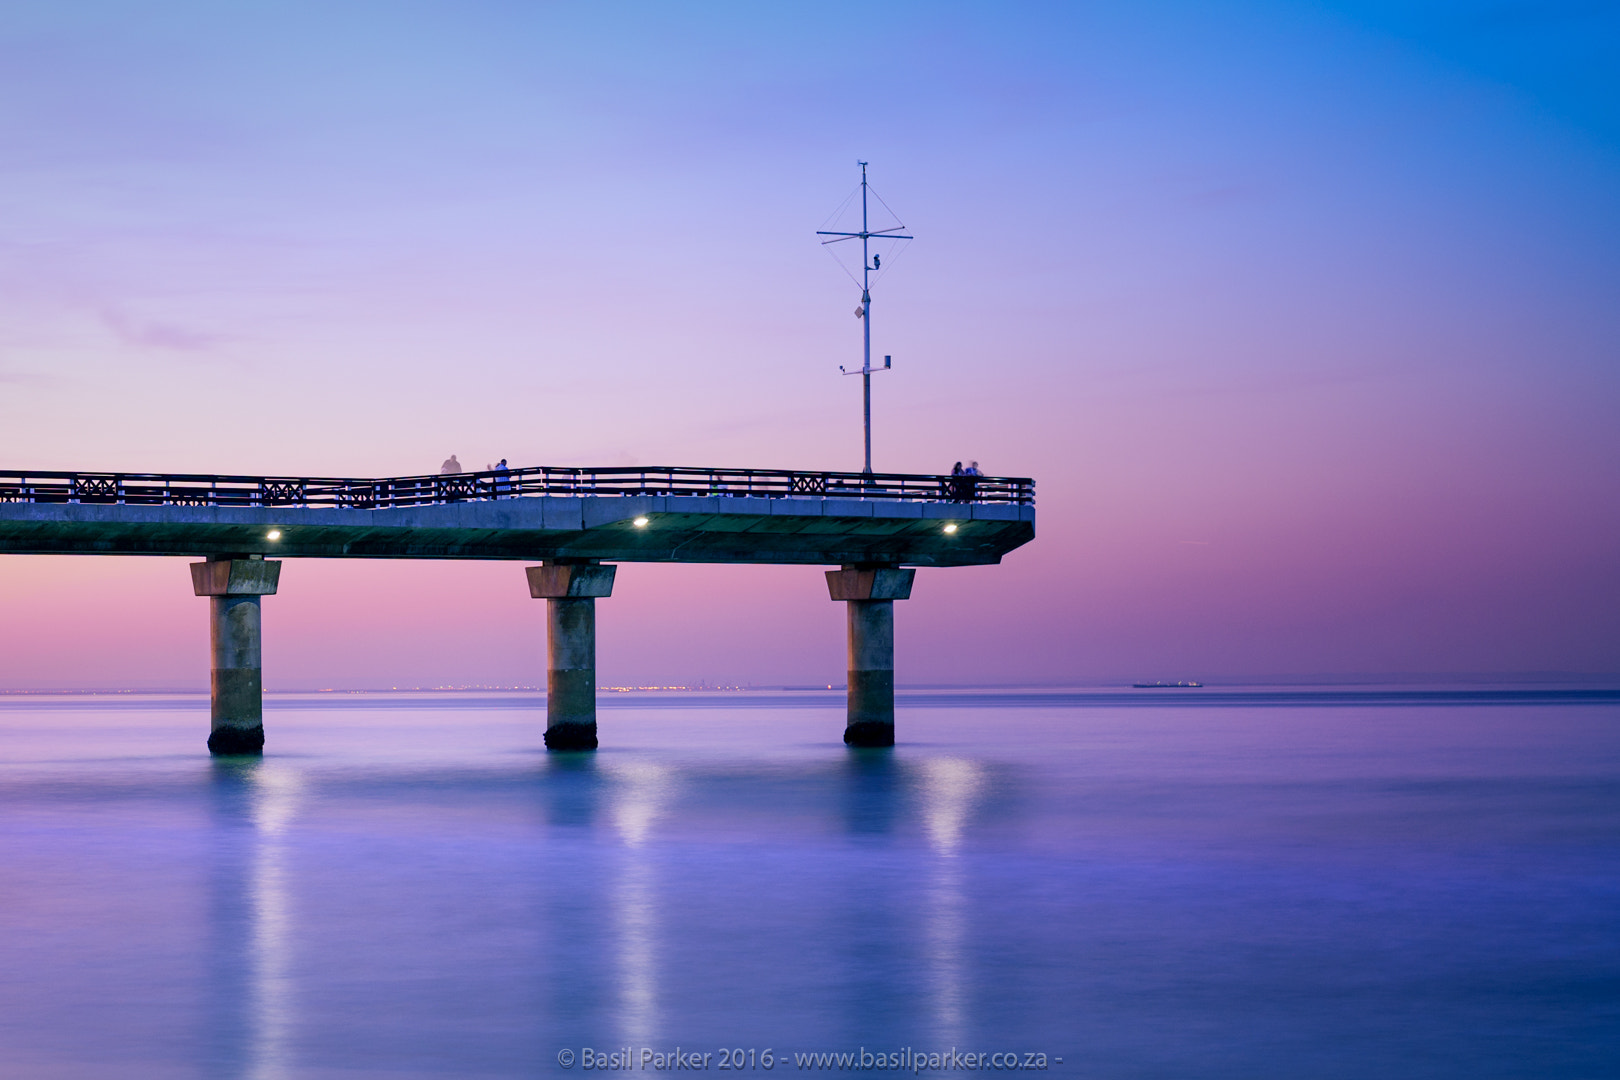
[{"x": 1302, "y": 315}]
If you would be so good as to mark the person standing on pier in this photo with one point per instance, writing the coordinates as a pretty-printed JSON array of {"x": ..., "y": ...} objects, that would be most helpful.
[{"x": 450, "y": 467}]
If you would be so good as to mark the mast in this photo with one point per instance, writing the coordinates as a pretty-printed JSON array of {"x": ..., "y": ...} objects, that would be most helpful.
[
  {"x": 865, "y": 310},
  {"x": 866, "y": 327}
]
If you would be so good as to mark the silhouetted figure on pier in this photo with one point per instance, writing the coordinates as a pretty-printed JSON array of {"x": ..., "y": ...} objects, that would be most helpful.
[{"x": 450, "y": 467}]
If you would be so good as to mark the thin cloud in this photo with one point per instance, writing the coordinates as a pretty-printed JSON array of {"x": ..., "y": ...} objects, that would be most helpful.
[
  {"x": 26, "y": 378},
  {"x": 151, "y": 334}
]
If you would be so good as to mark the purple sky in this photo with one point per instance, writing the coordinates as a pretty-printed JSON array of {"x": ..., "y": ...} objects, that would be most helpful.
[{"x": 1306, "y": 317}]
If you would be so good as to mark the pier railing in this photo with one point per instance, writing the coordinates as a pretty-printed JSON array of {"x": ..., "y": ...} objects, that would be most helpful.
[{"x": 192, "y": 489}]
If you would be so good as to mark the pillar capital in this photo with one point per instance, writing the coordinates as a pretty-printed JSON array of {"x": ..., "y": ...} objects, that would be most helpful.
[
  {"x": 875, "y": 583},
  {"x": 570, "y": 581},
  {"x": 236, "y": 577}
]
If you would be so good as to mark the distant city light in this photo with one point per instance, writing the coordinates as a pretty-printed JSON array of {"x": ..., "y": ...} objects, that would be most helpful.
[
  {"x": 273, "y": 534},
  {"x": 640, "y": 523},
  {"x": 951, "y": 527}
]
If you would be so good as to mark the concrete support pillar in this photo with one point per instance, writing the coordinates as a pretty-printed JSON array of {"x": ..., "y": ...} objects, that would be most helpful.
[
  {"x": 236, "y": 685},
  {"x": 570, "y": 590},
  {"x": 870, "y": 592}
]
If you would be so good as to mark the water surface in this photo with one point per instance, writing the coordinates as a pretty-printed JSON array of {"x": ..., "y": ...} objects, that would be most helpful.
[{"x": 1241, "y": 883}]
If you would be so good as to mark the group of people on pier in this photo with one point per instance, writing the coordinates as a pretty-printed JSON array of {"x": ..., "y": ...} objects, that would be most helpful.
[
  {"x": 503, "y": 485},
  {"x": 964, "y": 481}
]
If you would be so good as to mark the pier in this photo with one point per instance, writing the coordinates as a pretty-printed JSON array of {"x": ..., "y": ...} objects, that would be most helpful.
[{"x": 877, "y": 529}]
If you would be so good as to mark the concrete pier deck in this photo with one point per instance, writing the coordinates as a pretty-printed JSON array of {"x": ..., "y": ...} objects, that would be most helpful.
[{"x": 678, "y": 528}]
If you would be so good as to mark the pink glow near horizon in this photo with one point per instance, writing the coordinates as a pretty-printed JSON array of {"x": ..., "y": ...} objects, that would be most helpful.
[{"x": 1303, "y": 322}]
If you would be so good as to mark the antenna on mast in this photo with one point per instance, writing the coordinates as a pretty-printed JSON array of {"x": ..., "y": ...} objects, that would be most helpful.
[{"x": 869, "y": 263}]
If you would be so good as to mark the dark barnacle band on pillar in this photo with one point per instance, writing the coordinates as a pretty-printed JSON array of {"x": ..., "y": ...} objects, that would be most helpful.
[
  {"x": 870, "y": 593},
  {"x": 233, "y": 586},
  {"x": 570, "y": 590}
]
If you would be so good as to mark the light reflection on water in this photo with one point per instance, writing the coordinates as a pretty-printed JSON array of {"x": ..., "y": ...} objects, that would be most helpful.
[
  {"x": 416, "y": 889},
  {"x": 640, "y": 791},
  {"x": 949, "y": 787},
  {"x": 275, "y": 789}
]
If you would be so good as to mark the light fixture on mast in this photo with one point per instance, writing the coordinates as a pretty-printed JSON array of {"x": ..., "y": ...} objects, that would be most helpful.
[{"x": 869, "y": 263}]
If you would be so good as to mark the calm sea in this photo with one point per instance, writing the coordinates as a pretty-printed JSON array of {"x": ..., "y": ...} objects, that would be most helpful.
[{"x": 1241, "y": 883}]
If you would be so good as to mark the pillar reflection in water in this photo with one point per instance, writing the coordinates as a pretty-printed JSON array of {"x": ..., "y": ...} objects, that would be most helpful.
[
  {"x": 950, "y": 788},
  {"x": 642, "y": 791},
  {"x": 253, "y": 919},
  {"x": 872, "y": 790},
  {"x": 870, "y": 924}
]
